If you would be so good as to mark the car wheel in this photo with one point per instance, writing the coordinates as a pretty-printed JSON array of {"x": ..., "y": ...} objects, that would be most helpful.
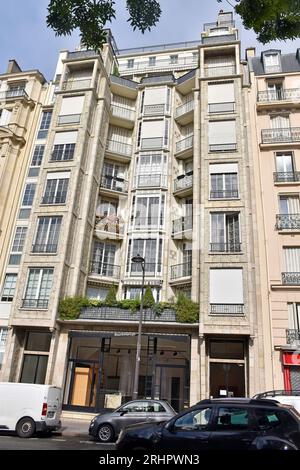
[
  {"x": 25, "y": 428},
  {"x": 105, "y": 433}
]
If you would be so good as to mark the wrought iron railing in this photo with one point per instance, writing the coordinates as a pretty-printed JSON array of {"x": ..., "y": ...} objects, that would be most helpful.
[
  {"x": 68, "y": 119},
  {"x": 287, "y": 221},
  {"x": 35, "y": 303},
  {"x": 13, "y": 94},
  {"x": 291, "y": 278},
  {"x": 184, "y": 144},
  {"x": 181, "y": 270},
  {"x": 278, "y": 95},
  {"x": 292, "y": 336},
  {"x": 285, "y": 134},
  {"x": 182, "y": 224},
  {"x": 153, "y": 180},
  {"x": 44, "y": 248},
  {"x": 221, "y": 107},
  {"x": 224, "y": 194},
  {"x": 286, "y": 176},
  {"x": 76, "y": 84},
  {"x": 105, "y": 269},
  {"x": 185, "y": 108},
  {"x": 220, "y": 71},
  {"x": 114, "y": 183},
  {"x": 183, "y": 183},
  {"x": 227, "y": 309},
  {"x": 121, "y": 314},
  {"x": 119, "y": 147},
  {"x": 122, "y": 112},
  {"x": 223, "y": 147},
  {"x": 151, "y": 269},
  {"x": 229, "y": 247}
]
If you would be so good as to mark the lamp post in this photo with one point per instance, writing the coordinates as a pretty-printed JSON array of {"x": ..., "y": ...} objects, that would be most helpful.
[{"x": 140, "y": 260}]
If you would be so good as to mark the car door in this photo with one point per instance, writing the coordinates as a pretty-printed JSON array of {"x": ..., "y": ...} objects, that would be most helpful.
[
  {"x": 189, "y": 432},
  {"x": 132, "y": 413},
  {"x": 233, "y": 428}
]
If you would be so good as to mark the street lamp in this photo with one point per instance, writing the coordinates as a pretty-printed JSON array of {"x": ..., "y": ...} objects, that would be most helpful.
[{"x": 139, "y": 260}]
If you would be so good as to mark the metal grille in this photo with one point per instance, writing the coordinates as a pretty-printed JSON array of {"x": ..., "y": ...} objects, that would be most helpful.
[{"x": 295, "y": 377}]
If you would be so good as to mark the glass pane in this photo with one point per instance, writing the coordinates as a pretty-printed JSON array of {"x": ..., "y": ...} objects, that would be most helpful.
[
  {"x": 37, "y": 341},
  {"x": 41, "y": 370},
  {"x": 29, "y": 369},
  {"x": 227, "y": 349}
]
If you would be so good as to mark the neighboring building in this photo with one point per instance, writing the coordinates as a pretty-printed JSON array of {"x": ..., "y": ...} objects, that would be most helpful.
[
  {"x": 157, "y": 162},
  {"x": 275, "y": 119},
  {"x": 21, "y": 96}
]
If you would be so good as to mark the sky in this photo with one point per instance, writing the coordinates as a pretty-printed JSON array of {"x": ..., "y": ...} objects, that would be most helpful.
[{"x": 25, "y": 37}]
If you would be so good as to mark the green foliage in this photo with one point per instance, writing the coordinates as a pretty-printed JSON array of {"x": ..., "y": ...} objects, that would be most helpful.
[
  {"x": 70, "y": 307},
  {"x": 111, "y": 295},
  {"x": 187, "y": 311},
  {"x": 148, "y": 298},
  {"x": 270, "y": 19},
  {"x": 116, "y": 71}
]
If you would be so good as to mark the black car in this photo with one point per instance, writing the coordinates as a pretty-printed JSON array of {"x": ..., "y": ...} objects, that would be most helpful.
[
  {"x": 219, "y": 424},
  {"x": 106, "y": 427}
]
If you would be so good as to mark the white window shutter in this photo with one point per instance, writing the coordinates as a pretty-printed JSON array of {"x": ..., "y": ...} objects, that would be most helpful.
[
  {"x": 65, "y": 138},
  {"x": 221, "y": 282},
  {"x": 153, "y": 129},
  {"x": 222, "y": 132},
  {"x": 72, "y": 105},
  {"x": 220, "y": 93}
]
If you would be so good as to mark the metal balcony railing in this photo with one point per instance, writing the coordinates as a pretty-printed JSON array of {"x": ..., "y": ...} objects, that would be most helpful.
[
  {"x": 268, "y": 96},
  {"x": 285, "y": 134},
  {"x": 288, "y": 221},
  {"x": 147, "y": 223},
  {"x": 154, "y": 109},
  {"x": 114, "y": 183},
  {"x": 185, "y": 144},
  {"x": 186, "y": 181},
  {"x": 182, "y": 62},
  {"x": 76, "y": 84},
  {"x": 222, "y": 38},
  {"x": 182, "y": 224},
  {"x": 119, "y": 148},
  {"x": 219, "y": 24},
  {"x": 151, "y": 143},
  {"x": 225, "y": 309},
  {"x": 35, "y": 303},
  {"x": 185, "y": 108},
  {"x": 220, "y": 71},
  {"x": 221, "y": 107},
  {"x": 68, "y": 119},
  {"x": 229, "y": 247},
  {"x": 120, "y": 314},
  {"x": 123, "y": 81},
  {"x": 44, "y": 248},
  {"x": 13, "y": 94},
  {"x": 291, "y": 278},
  {"x": 223, "y": 147},
  {"x": 122, "y": 112},
  {"x": 181, "y": 270},
  {"x": 151, "y": 269},
  {"x": 111, "y": 227},
  {"x": 154, "y": 180},
  {"x": 224, "y": 194},
  {"x": 286, "y": 176},
  {"x": 292, "y": 336},
  {"x": 105, "y": 269}
]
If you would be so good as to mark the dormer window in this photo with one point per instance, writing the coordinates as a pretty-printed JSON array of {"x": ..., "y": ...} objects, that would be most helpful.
[
  {"x": 130, "y": 63},
  {"x": 272, "y": 62},
  {"x": 152, "y": 61}
]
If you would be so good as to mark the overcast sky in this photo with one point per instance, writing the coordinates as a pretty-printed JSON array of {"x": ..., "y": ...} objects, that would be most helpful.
[{"x": 25, "y": 37}]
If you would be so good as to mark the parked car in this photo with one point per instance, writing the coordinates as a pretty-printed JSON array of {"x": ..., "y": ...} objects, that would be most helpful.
[
  {"x": 29, "y": 408},
  {"x": 287, "y": 397},
  {"x": 107, "y": 426},
  {"x": 219, "y": 424}
]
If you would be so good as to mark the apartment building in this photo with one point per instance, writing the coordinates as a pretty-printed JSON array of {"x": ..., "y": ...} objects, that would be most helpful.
[
  {"x": 275, "y": 118},
  {"x": 153, "y": 160}
]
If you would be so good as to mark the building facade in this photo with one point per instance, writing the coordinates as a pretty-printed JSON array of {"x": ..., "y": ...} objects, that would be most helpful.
[{"x": 146, "y": 152}]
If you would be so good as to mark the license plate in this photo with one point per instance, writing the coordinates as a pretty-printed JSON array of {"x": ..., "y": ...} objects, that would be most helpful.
[{"x": 50, "y": 414}]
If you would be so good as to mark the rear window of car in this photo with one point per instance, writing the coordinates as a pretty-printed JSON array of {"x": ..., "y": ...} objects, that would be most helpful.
[
  {"x": 275, "y": 418},
  {"x": 158, "y": 407}
]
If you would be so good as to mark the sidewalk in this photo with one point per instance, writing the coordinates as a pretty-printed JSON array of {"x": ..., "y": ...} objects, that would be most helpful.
[{"x": 75, "y": 427}]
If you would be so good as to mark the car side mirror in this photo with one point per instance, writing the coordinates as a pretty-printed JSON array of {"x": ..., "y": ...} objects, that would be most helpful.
[
  {"x": 123, "y": 412},
  {"x": 170, "y": 426}
]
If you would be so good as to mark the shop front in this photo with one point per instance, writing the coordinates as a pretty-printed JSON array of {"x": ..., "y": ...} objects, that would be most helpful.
[
  {"x": 291, "y": 370},
  {"x": 101, "y": 366}
]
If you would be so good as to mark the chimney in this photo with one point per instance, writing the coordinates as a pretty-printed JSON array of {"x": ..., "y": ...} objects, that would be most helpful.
[
  {"x": 250, "y": 52},
  {"x": 13, "y": 67}
]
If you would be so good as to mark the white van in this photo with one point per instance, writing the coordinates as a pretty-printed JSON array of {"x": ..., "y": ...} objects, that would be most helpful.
[
  {"x": 29, "y": 408},
  {"x": 283, "y": 396}
]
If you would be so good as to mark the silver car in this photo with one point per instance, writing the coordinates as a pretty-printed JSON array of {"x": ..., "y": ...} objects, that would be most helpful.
[{"x": 107, "y": 426}]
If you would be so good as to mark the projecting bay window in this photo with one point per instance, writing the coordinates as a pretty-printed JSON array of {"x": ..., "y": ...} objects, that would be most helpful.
[
  {"x": 148, "y": 212},
  {"x": 289, "y": 217},
  {"x": 224, "y": 181},
  {"x": 291, "y": 276},
  {"x": 71, "y": 110},
  {"x": 224, "y": 300},
  {"x": 64, "y": 146},
  {"x": 27, "y": 201},
  {"x": 219, "y": 65},
  {"x": 38, "y": 288},
  {"x": 46, "y": 239},
  {"x": 151, "y": 170},
  {"x": 103, "y": 260},
  {"x": 37, "y": 155},
  {"x": 9, "y": 287},
  {"x": 155, "y": 101},
  {"x": 45, "y": 125},
  {"x": 222, "y": 136},
  {"x": 56, "y": 188},
  {"x": 113, "y": 176},
  {"x": 107, "y": 207},
  {"x": 221, "y": 98},
  {"x": 153, "y": 134},
  {"x": 17, "y": 246},
  {"x": 151, "y": 250},
  {"x": 225, "y": 232},
  {"x": 119, "y": 141}
]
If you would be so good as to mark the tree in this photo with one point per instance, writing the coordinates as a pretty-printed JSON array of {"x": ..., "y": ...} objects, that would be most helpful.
[
  {"x": 111, "y": 296},
  {"x": 270, "y": 19},
  {"x": 148, "y": 298}
]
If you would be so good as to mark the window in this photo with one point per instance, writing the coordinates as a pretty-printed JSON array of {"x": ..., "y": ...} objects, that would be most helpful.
[
  {"x": 133, "y": 293},
  {"x": 222, "y": 136},
  {"x": 34, "y": 368},
  {"x": 174, "y": 59},
  {"x": 222, "y": 349},
  {"x": 194, "y": 420},
  {"x": 139, "y": 407},
  {"x": 154, "y": 134},
  {"x": 38, "y": 341},
  {"x": 275, "y": 91},
  {"x": 284, "y": 167},
  {"x": 224, "y": 299},
  {"x": 150, "y": 250},
  {"x": 289, "y": 205},
  {"x": 292, "y": 259},
  {"x": 221, "y": 97},
  {"x": 9, "y": 287},
  {"x": 5, "y": 115},
  {"x": 64, "y": 146},
  {"x": 130, "y": 63},
  {"x": 16, "y": 89},
  {"x": 225, "y": 232},
  {"x": 294, "y": 316},
  {"x": 103, "y": 259},
  {"x": 17, "y": 246},
  {"x": 46, "y": 240},
  {"x": 39, "y": 284},
  {"x": 107, "y": 207},
  {"x": 45, "y": 125},
  {"x": 152, "y": 61},
  {"x": 272, "y": 63},
  {"x": 151, "y": 170},
  {"x": 148, "y": 211},
  {"x": 224, "y": 181},
  {"x": 232, "y": 418},
  {"x": 113, "y": 176},
  {"x": 3, "y": 338},
  {"x": 28, "y": 195},
  {"x": 37, "y": 155},
  {"x": 98, "y": 293},
  {"x": 56, "y": 188}
]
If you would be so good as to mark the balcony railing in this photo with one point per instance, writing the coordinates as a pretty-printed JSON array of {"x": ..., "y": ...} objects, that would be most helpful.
[
  {"x": 44, "y": 248},
  {"x": 183, "y": 183},
  {"x": 119, "y": 148},
  {"x": 288, "y": 221},
  {"x": 286, "y": 176},
  {"x": 222, "y": 38},
  {"x": 219, "y": 24},
  {"x": 291, "y": 278},
  {"x": 35, "y": 303},
  {"x": 184, "y": 144},
  {"x": 272, "y": 68},
  {"x": 285, "y": 134},
  {"x": 76, "y": 84},
  {"x": 112, "y": 227},
  {"x": 151, "y": 180},
  {"x": 147, "y": 223},
  {"x": 114, "y": 183},
  {"x": 13, "y": 94},
  {"x": 68, "y": 119},
  {"x": 223, "y": 147},
  {"x": 182, "y": 224},
  {"x": 181, "y": 270},
  {"x": 123, "y": 81},
  {"x": 105, "y": 269},
  {"x": 268, "y": 96},
  {"x": 154, "y": 109},
  {"x": 227, "y": 309},
  {"x": 185, "y": 108},
  {"x": 151, "y": 143},
  {"x": 122, "y": 112},
  {"x": 151, "y": 269},
  {"x": 230, "y": 247},
  {"x": 224, "y": 194},
  {"x": 292, "y": 336},
  {"x": 121, "y": 314},
  {"x": 221, "y": 107},
  {"x": 220, "y": 71},
  {"x": 181, "y": 62}
]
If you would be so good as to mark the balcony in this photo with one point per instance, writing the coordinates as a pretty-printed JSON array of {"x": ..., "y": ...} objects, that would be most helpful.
[
  {"x": 183, "y": 185},
  {"x": 68, "y": 119},
  {"x": 184, "y": 147},
  {"x": 184, "y": 114},
  {"x": 219, "y": 24},
  {"x": 219, "y": 71},
  {"x": 123, "y": 87},
  {"x": 221, "y": 108},
  {"x": 168, "y": 315},
  {"x": 221, "y": 39},
  {"x": 152, "y": 143},
  {"x": 227, "y": 309},
  {"x": 121, "y": 116},
  {"x": 110, "y": 227},
  {"x": 230, "y": 247},
  {"x": 224, "y": 194},
  {"x": 105, "y": 269},
  {"x": 288, "y": 221},
  {"x": 153, "y": 180},
  {"x": 179, "y": 271},
  {"x": 120, "y": 149},
  {"x": 291, "y": 279},
  {"x": 181, "y": 226},
  {"x": 147, "y": 223},
  {"x": 277, "y": 97},
  {"x": 44, "y": 248},
  {"x": 151, "y": 270},
  {"x": 292, "y": 336},
  {"x": 286, "y": 177},
  {"x": 12, "y": 94},
  {"x": 113, "y": 183},
  {"x": 216, "y": 148},
  {"x": 182, "y": 63},
  {"x": 35, "y": 303},
  {"x": 280, "y": 136},
  {"x": 70, "y": 85},
  {"x": 154, "y": 109}
]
